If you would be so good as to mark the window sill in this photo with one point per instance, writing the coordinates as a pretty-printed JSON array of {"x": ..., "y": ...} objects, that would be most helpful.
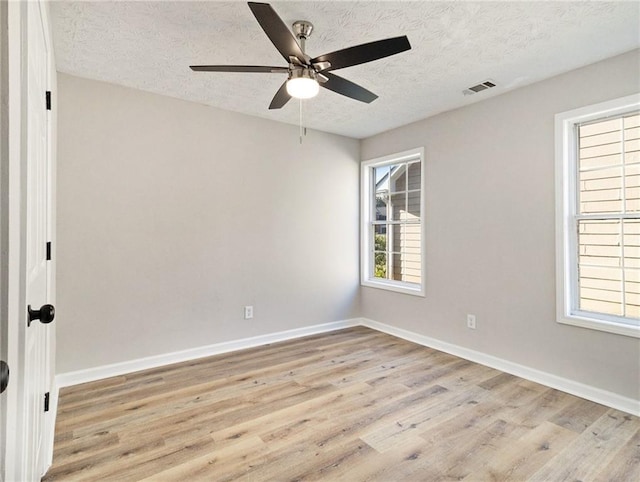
[
  {"x": 602, "y": 325},
  {"x": 396, "y": 287}
]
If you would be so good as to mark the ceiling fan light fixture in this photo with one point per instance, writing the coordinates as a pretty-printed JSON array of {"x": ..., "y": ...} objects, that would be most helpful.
[{"x": 302, "y": 84}]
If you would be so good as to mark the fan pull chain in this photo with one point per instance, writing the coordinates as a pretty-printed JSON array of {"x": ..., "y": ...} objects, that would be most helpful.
[
  {"x": 300, "y": 122},
  {"x": 303, "y": 130}
]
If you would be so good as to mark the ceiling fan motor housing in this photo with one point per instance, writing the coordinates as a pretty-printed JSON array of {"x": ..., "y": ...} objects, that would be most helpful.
[
  {"x": 298, "y": 72},
  {"x": 302, "y": 29}
]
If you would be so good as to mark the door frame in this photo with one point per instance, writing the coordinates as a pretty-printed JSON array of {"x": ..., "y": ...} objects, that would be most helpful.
[
  {"x": 13, "y": 232},
  {"x": 4, "y": 217}
]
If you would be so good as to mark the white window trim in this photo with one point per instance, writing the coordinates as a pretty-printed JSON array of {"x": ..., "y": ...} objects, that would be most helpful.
[
  {"x": 566, "y": 199},
  {"x": 365, "y": 217}
]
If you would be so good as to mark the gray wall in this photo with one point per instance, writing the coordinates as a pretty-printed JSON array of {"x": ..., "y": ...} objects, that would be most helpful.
[
  {"x": 172, "y": 216},
  {"x": 490, "y": 230}
]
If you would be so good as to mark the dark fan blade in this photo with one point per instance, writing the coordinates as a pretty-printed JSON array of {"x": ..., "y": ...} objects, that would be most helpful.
[
  {"x": 281, "y": 97},
  {"x": 348, "y": 88},
  {"x": 276, "y": 30},
  {"x": 364, "y": 53},
  {"x": 239, "y": 68}
]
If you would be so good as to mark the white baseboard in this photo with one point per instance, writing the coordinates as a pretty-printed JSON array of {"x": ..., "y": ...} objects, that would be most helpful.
[
  {"x": 122, "y": 368},
  {"x": 573, "y": 387}
]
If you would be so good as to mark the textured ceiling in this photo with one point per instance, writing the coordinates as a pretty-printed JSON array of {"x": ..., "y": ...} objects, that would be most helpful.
[{"x": 149, "y": 46}]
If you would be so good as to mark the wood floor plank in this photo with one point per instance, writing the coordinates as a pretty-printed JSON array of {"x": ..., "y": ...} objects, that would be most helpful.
[
  {"x": 466, "y": 450},
  {"x": 326, "y": 464},
  {"x": 350, "y": 405},
  {"x": 625, "y": 465},
  {"x": 422, "y": 418},
  {"x": 525, "y": 455},
  {"x": 396, "y": 464},
  {"x": 99, "y": 462},
  {"x": 593, "y": 449},
  {"x": 578, "y": 415},
  {"x": 548, "y": 404},
  {"x": 198, "y": 467}
]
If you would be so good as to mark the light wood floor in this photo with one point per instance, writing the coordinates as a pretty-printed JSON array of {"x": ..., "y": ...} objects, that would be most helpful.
[{"x": 349, "y": 405}]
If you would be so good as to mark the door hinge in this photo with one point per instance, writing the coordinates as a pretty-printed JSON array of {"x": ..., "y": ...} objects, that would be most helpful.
[
  {"x": 48, "y": 250},
  {"x": 46, "y": 402},
  {"x": 48, "y": 96}
]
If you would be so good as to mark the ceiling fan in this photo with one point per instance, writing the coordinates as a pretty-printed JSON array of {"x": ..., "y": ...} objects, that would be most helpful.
[{"x": 307, "y": 75}]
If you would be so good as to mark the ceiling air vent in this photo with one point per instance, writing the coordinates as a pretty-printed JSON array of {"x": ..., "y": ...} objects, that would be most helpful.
[{"x": 487, "y": 84}]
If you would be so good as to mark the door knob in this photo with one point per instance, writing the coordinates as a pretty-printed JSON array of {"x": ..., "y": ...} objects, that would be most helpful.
[
  {"x": 4, "y": 376},
  {"x": 45, "y": 314}
]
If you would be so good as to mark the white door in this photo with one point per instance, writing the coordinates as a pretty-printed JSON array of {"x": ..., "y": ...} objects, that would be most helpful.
[
  {"x": 36, "y": 340},
  {"x": 26, "y": 277},
  {"x": 29, "y": 273}
]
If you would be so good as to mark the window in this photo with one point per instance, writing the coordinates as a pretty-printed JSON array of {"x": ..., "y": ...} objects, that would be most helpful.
[
  {"x": 392, "y": 223},
  {"x": 598, "y": 216}
]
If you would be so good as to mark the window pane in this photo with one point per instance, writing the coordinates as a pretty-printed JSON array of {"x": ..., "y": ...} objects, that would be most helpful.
[
  {"x": 394, "y": 240},
  {"x": 398, "y": 206},
  {"x": 406, "y": 268},
  {"x": 601, "y": 191},
  {"x": 631, "y": 243},
  {"x": 632, "y": 185},
  {"x": 601, "y": 146},
  {"x": 380, "y": 229},
  {"x": 605, "y": 186},
  {"x": 396, "y": 267},
  {"x": 380, "y": 265},
  {"x": 381, "y": 178},
  {"x": 633, "y": 311},
  {"x": 600, "y": 127},
  {"x": 632, "y": 157},
  {"x": 631, "y": 251},
  {"x": 382, "y": 201},
  {"x": 599, "y": 239},
  {"x": 632, "y": 138},
  {"x": 631, "y": 142},
  {"x": 413, "y": 265},
  {"x": 410, "y": 236},
  {"x": 598, "y": 243},
  {"x": 379, "y": 268},
  {"x": 380, "y": 237},
  {"x": 415, "y": 179},
  {"x": 600, "y": 266},
  {"x": 601, "y": 290},
  {"x": 398, "y": 182},
  {"x": 413, "y": 207},
  {"x": 599, "y": 306},
  {"x": 406, "y": 259},
  {"x": 632, "y": 292},
  {"x": 631, "y": 121}
]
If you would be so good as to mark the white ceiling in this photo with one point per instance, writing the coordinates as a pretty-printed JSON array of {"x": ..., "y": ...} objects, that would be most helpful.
[{"x": 149, "y": 46}]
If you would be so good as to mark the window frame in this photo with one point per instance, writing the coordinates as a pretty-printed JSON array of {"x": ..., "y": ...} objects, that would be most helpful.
[
  {"x": 366, "y": 215},
  {"x": 566, "y": 171}
]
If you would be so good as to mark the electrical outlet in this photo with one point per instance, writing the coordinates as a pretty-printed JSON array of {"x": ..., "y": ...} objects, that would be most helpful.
[
  {"x": 471, "y": 321},
  {"x": 248, "y": 312}
]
